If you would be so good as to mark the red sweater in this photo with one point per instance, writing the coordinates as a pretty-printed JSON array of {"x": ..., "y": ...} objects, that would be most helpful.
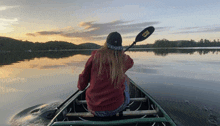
[{"x": 101, "y": 94}]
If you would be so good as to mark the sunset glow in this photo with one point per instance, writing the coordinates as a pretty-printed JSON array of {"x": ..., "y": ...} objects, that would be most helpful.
[{"x": 91, "y": 21}]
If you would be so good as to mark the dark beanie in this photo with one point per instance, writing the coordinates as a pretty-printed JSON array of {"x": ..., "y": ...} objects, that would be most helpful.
[{"x": 114, "y": 41}]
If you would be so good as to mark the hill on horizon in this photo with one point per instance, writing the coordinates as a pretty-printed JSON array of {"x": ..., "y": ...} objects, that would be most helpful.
[{"x": 10, "y": 44}]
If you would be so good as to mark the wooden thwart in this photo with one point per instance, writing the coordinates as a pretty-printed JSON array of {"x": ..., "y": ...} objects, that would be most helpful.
[
  {"x": 125, "y": 113},
  {"x": 131, "y": 99}
]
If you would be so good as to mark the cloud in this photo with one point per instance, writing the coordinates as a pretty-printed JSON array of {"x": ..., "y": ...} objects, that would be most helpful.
[
  {"x": 50, "y": 32},
  {"x": 8, "y": 20},
  {"x": 215, "y": 29},
  {"x": 51, "y": 66},
  {"x": 204, "y": 29},
  {"x": 31, "y": 34},
  {"x": 13, "y": 80},
  {"x": 97, "y": 31},
  {"x": 161, "y": 29},
  {"x": 2, "y": 8},
  {"x": 4, "y": 90},
  {"x": 189, "y": 28},
  {"x": 5, "y": 24}
]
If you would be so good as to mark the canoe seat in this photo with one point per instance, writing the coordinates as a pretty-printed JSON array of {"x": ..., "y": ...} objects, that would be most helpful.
[
  {"x": 131, "y": 99},
  {"x": 125, "y": 113}
]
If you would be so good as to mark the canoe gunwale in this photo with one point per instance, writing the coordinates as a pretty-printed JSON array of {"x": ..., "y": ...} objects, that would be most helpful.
[
  {"x": 64, "y": 107},
  {"x": 154, "y": 101},
  {"x": 116, "y": 122}
]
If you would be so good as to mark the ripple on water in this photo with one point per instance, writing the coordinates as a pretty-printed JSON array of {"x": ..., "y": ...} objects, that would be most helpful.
[
  {"x": 35, "y": 115},
  {"x": 213, "y": 120},
  {"x": 186, "y": 113}
]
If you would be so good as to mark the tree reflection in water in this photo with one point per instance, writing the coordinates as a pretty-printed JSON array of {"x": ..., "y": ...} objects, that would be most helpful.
[{"x": 9, "y": 57}]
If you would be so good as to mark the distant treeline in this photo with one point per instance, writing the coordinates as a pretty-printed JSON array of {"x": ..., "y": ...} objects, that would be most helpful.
[
  {"x": 181, "y": 43},
  {"x": 9, "y": 44}
]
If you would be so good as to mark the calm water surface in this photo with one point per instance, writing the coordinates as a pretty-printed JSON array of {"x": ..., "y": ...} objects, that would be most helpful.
[{"x": 185, "y": 82}]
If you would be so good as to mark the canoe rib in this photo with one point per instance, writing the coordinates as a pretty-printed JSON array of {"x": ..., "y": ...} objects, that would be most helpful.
[
  {"x": 125, "y": 113},
  {"x": 131, "y": 99}
]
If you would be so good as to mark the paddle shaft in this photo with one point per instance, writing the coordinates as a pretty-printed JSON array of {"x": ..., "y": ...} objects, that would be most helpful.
[{"x": 130, "y": 46}]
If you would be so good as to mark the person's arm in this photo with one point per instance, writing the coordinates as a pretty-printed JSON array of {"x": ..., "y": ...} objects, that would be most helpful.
[
  {"x": 128, "y": 62},
  {"x": 84, "y": 77}
]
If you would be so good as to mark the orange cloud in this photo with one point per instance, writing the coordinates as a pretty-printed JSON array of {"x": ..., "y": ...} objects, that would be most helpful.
[{"x": 97, "y": 31}]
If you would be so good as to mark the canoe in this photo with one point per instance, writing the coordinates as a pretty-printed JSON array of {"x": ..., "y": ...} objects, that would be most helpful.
[{"x": 142, "y": 110}]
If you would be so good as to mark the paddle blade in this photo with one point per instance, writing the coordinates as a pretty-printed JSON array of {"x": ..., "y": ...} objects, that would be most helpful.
[{"x": 144, "y": 34}]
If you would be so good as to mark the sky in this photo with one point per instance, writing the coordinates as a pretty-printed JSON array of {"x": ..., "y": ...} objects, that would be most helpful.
[{"x": 81, "y": 21}]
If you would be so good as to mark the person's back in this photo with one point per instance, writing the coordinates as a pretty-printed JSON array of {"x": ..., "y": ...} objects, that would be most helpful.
[{"x": 105, "y": 70}]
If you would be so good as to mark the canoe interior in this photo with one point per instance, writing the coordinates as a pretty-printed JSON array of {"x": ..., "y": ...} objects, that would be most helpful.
[{"x": 138, "y": 120}]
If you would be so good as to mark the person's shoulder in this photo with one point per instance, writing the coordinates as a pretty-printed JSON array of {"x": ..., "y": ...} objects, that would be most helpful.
[
  {"x": 124, "y": 55},
  {"x": 94, "y": 52},
  {"x": 127, "y": 57}
]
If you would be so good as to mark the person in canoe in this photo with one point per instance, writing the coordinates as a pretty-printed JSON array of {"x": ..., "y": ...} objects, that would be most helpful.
[{"x": 108, "y": 92}]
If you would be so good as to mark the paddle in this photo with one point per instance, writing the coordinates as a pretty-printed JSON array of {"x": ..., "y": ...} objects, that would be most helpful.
[
  {"x": 142, "y": 36},
  {"x": 51, "y": 114},
  {"x": 67, "y": 100}
]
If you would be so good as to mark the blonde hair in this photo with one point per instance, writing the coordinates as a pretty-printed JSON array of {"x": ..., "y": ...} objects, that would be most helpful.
[{"x": 115, "y": 59}]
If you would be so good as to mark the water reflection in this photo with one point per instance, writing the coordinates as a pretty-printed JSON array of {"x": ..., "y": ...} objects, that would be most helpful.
[
  {"x": 39, "y": 70},
  {"x": 9, "y": 58},
  {"x": 182, "y": 80},
  {"x": 165, "y": 52}
]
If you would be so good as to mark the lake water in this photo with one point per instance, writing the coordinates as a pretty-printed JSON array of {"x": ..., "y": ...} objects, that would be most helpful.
[{"x": 185, "y": 82}]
